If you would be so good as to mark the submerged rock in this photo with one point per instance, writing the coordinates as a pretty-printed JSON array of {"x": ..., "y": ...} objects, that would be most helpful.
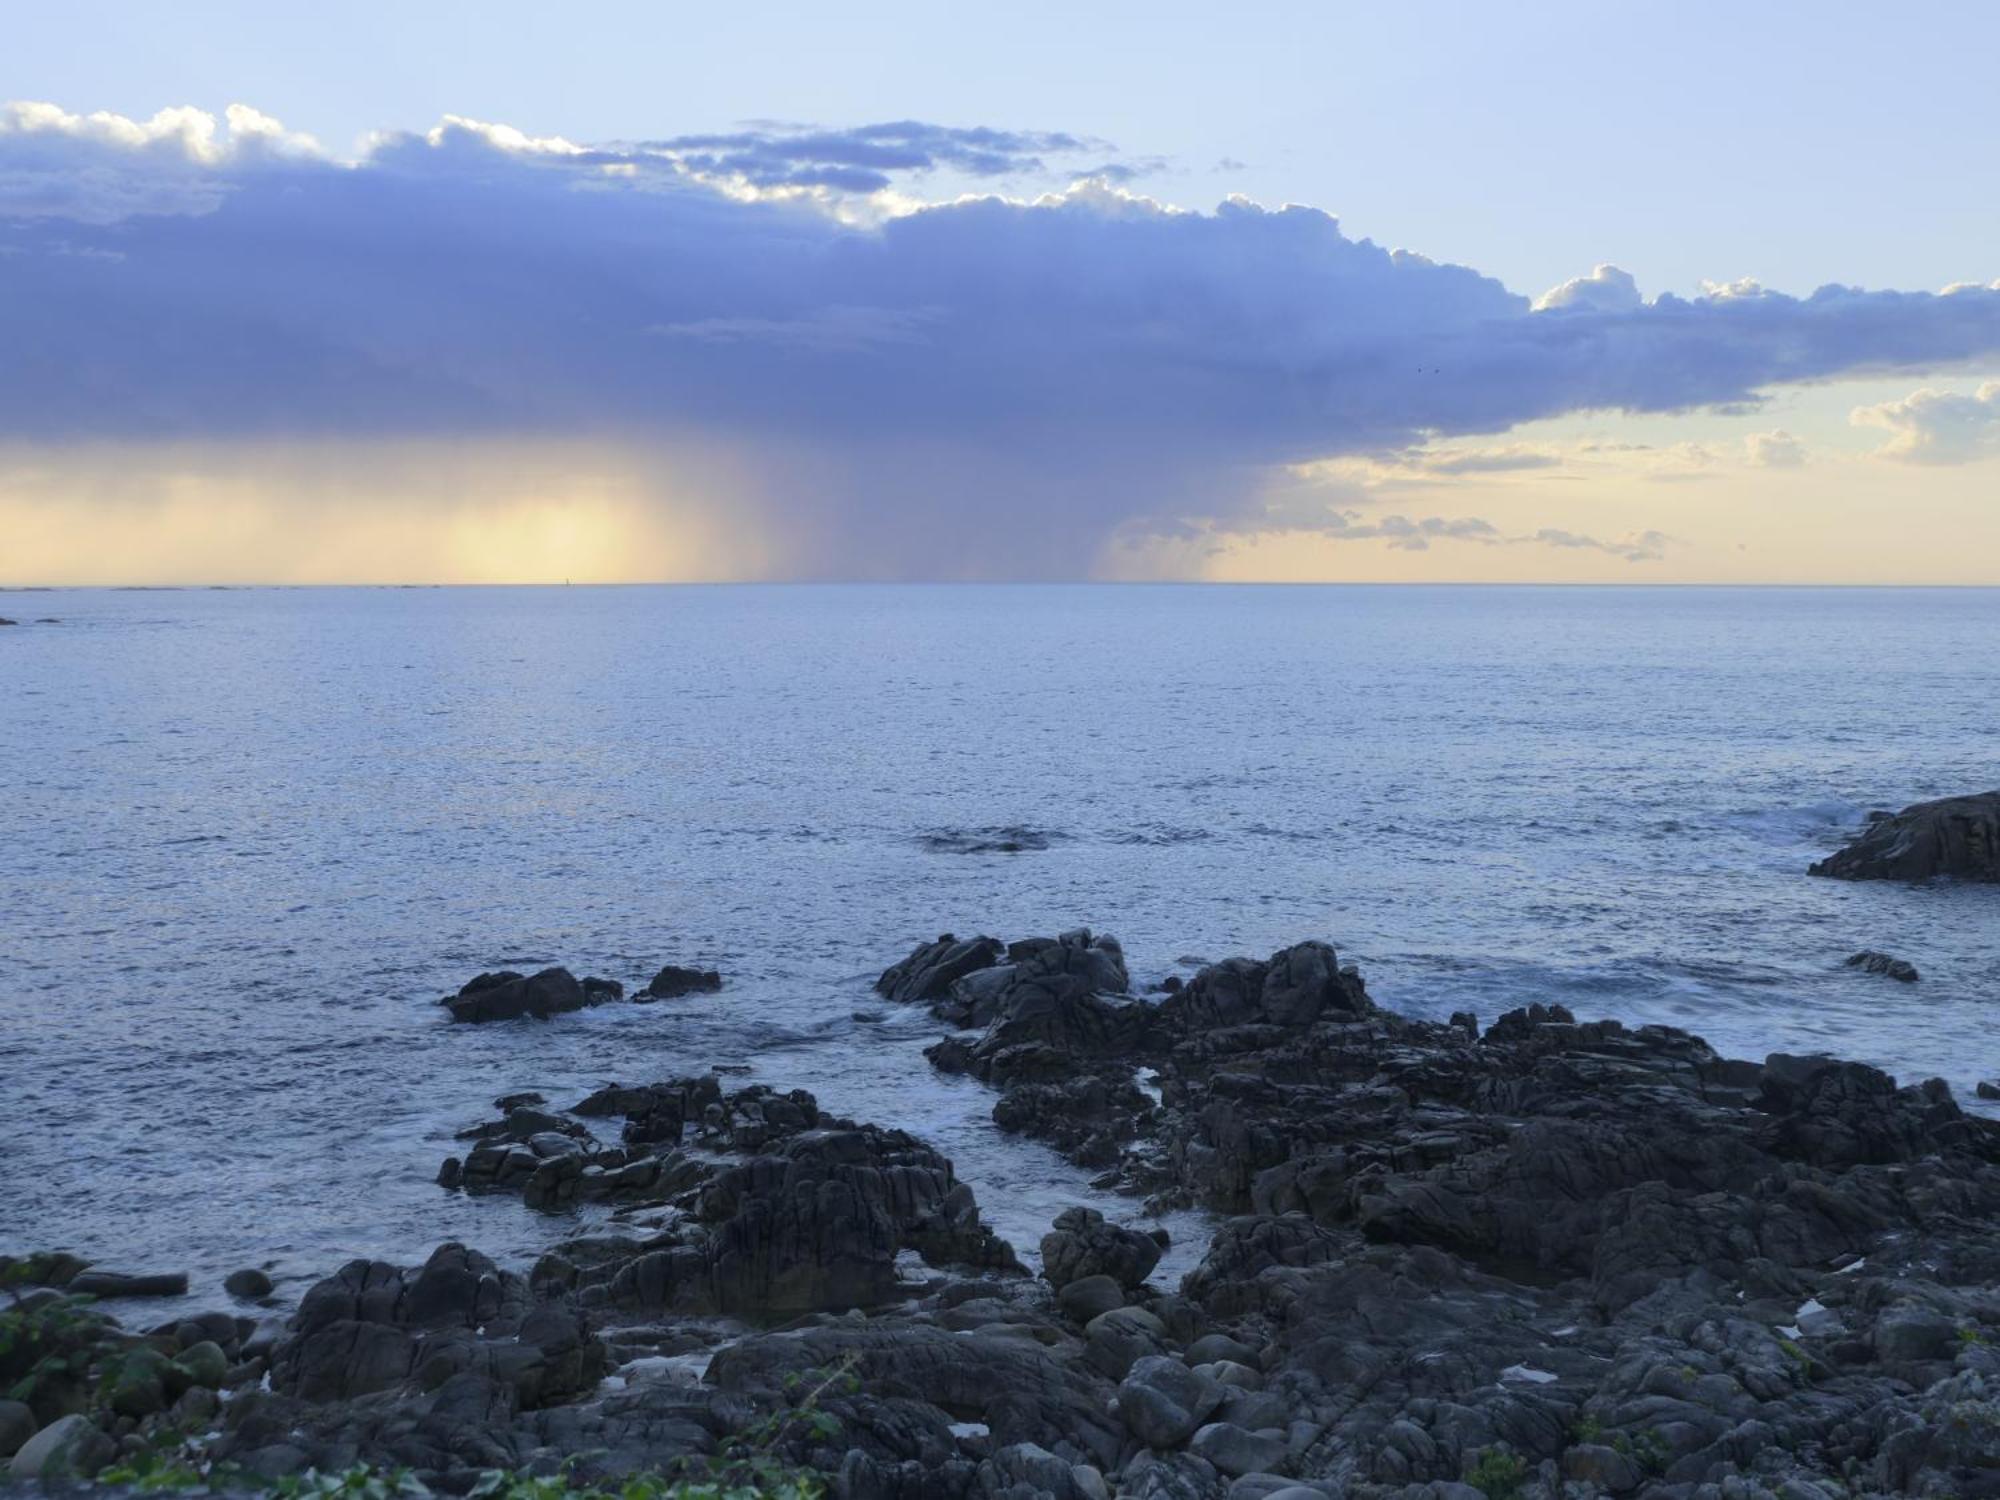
[
  {"x": 96, "y": 1283},
  {"x": 1887, "y": 965},
  {"x": 673, "y": 981},
  {"x": 1953, "y": 836}
]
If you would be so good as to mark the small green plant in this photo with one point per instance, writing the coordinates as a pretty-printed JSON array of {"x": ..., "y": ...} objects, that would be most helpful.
[
  {"x": 47, "y": 1341},
  {"x": 1586, "y": 1430},
  {"x": 1647, "y": 1449},
  {"x": 1970, "y": 1338},
  {"x": 157, "y": 1472},
  {"x": 1497, "y": 1473}
]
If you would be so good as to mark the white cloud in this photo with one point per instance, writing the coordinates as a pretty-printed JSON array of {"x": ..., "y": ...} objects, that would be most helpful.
[
  {"x": 1777, "y": 449},
  {"x": 1937, "y": 427},
  {"x": 1606, "y": 289}
]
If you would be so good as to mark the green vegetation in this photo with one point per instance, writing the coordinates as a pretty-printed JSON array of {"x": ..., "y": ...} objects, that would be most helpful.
[
  {"x": 1498, "y": 1474},
  {"x": 748, "y": 1466}
]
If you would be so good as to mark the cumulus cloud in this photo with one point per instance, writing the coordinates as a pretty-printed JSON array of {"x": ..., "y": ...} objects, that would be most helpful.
[
  {"x": 1606, "y": 289},
  {"x": 1777, "y": 449},
  {"x": 982, "y": 386},
  {"x": 1938, "y": 427}
]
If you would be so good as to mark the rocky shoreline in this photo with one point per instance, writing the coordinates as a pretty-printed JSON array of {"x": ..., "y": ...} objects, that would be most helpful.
[{"x": 1540, "y": 1257}]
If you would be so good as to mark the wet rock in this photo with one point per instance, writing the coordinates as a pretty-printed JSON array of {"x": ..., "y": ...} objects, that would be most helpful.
[
  {"x": 102, "y": 1284},
  {"x": 1957, "y": 837},
  {"x": 928, "y": 974},
  {"x": 1869, "y": 961},
  {"x": 1161, "y": 1401},
  {"x": 248, "y": 1284},
  {"x": 673, "y": 981},
  {"x": 1987, "y": 1089},
  {"x": 1009, "y": 838},
  {"x": 1083, "y": 1243},
  {"x": 506, "y": 996}
]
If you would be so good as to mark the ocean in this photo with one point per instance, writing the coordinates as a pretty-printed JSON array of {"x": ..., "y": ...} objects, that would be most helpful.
[{"x": 249, "y": 837}]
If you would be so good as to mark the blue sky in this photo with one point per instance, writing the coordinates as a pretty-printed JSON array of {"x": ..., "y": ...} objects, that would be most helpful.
[
  {"x": 1796, "y": 143},
  {"x": 693, "y": 299}
]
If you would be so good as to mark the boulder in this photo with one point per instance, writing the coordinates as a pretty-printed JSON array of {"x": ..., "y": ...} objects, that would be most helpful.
[
  {"x": 1869, "y": 961},
  {"x": 928, "y": 974},
  {"x": 1953, "y": 836},
  {"x": 1237, "y": 1451},
  {"x": 70, "y": 1446},
  {"x": 673, "y": 981},
  {"x": 507, "y": 996},
  {"x": 119, "y": 1284},
  {"x": 1162, "y": 1402},
  {"x": 1083, "y": 1243},
  {"x": 17, "y": 1425},
  {"x": 248, "y": 1284},
  {"x": 1088, "y": 1296}
]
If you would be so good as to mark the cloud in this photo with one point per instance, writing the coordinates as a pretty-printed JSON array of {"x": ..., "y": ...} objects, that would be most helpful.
[
  {"x": 1644, "y": 546},
  {"x": 1606, "y": 289},
  {"x": 1774, "y": 450},
  {"x": 862, "y": 160},
  {"x": 982, "y": 386},
  {"x": 1938, "y": 427}
]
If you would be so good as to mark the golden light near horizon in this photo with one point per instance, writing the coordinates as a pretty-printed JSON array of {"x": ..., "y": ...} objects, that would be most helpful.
[{"x": 490, "y": 512}]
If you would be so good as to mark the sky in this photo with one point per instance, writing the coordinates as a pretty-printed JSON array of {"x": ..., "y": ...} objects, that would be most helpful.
[{"x": 496, "y": 293}]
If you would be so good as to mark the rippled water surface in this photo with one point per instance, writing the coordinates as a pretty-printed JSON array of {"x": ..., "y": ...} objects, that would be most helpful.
[{"x": 248, "y": 838}]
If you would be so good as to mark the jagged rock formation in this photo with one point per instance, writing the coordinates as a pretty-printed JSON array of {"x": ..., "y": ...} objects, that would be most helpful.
[{"x": 1953, "y": 836}]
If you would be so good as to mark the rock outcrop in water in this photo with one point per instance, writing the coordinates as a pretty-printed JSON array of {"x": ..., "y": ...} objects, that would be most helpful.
[
  {"x": 1549, "y": 1260},
  {"x": 1870, "y": 961},
  {"x": 1958, "y": 837}
]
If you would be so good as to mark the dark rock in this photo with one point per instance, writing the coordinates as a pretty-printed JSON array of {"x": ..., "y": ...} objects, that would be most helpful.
[
  {"x": 598, "y": 991},
  {"x": 249, "y": 1284},
  {"x": 1116, "y": 1340},
  {"x": 1084, "y": 1297},
  {"x": 1083, "y": 1243},
  {"x": 928, "y": 974},
  {"x": 375, "y": 1328},
  {"x": 1871, "y": 962},
  {"x": 17, "y": 1425},
  {"x": 1011, "y": 838},
  {"x": 118, "y": 1284},
  {"x": 1987, "y": 1089},
  {"x": 1953, "y": 836},
  {"x": 673, "y": 981},
  {"x": 1235, "y": 1450},
  {"x": 1162, "y": 1402},
  {"x": 506, "y": 996}
]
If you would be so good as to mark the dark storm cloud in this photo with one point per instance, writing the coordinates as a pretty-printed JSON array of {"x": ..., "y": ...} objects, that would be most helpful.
[{"x": 982, "y": 387}]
